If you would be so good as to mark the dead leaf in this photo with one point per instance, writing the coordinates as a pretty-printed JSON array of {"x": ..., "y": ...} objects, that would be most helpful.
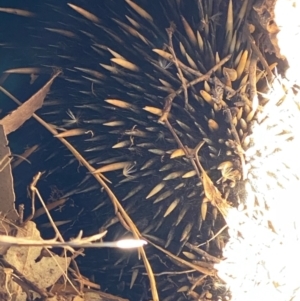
[
  {"x": 14, "y": 120},
  {"x": 211, "y": 191},
  {"x": 42, "y": 271},
  {"x": 7, "y": 195}
]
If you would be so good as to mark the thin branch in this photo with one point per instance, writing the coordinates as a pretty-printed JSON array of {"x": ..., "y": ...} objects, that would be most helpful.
[{"x": 169, "y": 99}]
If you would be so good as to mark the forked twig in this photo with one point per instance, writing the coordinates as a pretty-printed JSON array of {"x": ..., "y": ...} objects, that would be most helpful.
[
  {"x": 169, "y": 99},
  {"x": 35, "y": 191}
]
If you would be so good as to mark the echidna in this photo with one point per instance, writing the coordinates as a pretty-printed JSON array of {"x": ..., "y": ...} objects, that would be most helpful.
[{"x": 161, "y": 91}]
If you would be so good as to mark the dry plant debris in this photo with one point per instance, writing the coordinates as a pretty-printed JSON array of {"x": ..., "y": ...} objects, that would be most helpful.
[
  {"x": 7, "y": 197},
  {"x": 14, "y": 120},
  {"x": 236, "y": 220},
  {"x": 29, "y": 268},
  {"x": 43, "y": 271}
]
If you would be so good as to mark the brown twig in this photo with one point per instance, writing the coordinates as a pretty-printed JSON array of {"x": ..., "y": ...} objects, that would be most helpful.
[
  {"x": 33, "y": 191},
  {"x": 252, "y": 82},
  {"x": 203, "y": 253},
  {"x": 203, "y": 270},
  {"x": 180, "y": 144},
  {"x": 258, "y": 53},
  {"x": 36, "y": 192},
  {"x": 197, "y": 283},
  {"x": 239, "y": 148},
  {"x": 212, "y": 238},
  {"x": 170, "y": 32},
  {"x": 169, "y": 99},
  {"x": 4, "y": 163}
]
